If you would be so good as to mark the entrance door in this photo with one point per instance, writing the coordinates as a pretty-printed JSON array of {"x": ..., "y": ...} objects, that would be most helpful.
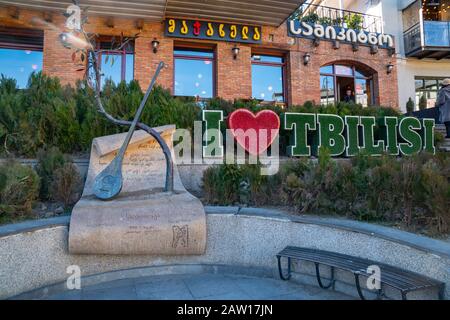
[{"x": 343, "y": 84}]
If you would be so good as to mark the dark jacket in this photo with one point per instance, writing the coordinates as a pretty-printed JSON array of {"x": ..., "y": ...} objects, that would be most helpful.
[{"x": 443, "y": 102}]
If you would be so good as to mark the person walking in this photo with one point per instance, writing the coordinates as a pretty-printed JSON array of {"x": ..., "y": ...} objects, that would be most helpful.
[{"x": 443, "y": 103}]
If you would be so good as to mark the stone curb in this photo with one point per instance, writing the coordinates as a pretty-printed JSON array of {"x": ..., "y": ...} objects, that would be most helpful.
[{"x": 433, "y": 246}]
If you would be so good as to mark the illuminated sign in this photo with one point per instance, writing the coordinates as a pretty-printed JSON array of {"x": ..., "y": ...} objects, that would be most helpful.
[
  {"x": 197, "y": 29},
  {"x": 302, "y": 29}
]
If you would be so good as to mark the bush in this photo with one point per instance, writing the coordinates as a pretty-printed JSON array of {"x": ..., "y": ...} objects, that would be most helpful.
[
  {"x": 49, "y": 161},
  {"x": 19, "y": 188},
  {"x": 66, "y": 185},
  {"x": 411, "y": 191},
  {"x": 46, "y": 114},
  {"x": 410, "y": 106},
  {"x": 423, "y": 102}
]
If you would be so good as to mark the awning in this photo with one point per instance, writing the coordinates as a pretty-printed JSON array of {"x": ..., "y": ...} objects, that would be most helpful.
[{"x": 260, "y": 12}]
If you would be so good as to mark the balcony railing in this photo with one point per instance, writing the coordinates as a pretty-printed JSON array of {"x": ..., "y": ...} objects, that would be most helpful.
[
  {"x": 427, "y": 30},
  {"x": 336, "y": 17},
  {"x": 427, "y": 36}
]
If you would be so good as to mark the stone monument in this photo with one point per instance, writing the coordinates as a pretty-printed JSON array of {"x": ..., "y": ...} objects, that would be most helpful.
[{"x": 144, "y": 218}]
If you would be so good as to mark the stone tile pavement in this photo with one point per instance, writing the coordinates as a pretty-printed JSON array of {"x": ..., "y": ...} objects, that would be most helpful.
[{"x": 199, "y": 287}]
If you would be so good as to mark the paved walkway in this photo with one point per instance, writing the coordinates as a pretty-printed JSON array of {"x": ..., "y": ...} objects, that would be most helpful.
[{"x": 200, "y": 287}]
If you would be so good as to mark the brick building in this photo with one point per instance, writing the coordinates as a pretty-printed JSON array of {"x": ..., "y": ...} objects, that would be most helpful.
[{"x": 278, "y": 68}]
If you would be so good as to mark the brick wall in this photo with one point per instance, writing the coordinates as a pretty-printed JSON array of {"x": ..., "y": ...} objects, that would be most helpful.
[{"x": 233, "y": 77}]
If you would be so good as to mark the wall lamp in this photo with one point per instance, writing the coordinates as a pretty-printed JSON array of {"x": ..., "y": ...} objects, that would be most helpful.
[
  {"x": 373, "y": 49},
  {"x": 235, "y": 51},
  {"x": 390, "y": 68},
  {"x": 155, "y": 45},
  {"x": 306, "y": 59}
]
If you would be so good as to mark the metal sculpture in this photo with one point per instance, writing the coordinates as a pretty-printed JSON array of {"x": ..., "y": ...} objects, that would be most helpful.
[{"x": 108, "y": 183}]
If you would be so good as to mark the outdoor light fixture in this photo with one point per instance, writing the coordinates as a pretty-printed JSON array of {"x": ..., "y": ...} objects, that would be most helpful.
[
  {"x": 336, "y": 44},
  {"x": 235, "y": 51},
  {"x": 355, "y": 47},
  {"x": 390, "y": 68},
  {"x": 373, "y": 49},
  {"x": 306, "y": 59},
  {"x": 316, "y": 42},
  {"x": 391, "y": 52},
  {"x": 155, "y": 45}
]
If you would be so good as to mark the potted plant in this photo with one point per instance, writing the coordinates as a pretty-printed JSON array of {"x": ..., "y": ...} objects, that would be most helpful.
[
  {"x": 423, "y": 102},
  {"x": 410, "y": 106},
  {"x": 311, "y": 18},
  {"x": 354, "y": 21}
]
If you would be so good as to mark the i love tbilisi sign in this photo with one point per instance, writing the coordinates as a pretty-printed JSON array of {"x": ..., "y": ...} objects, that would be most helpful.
[{"x": 342, "y": 136}]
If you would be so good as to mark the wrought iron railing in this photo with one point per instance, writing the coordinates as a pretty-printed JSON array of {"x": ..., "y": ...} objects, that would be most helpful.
[
  {"x": 342, "y": 18},
  {"x": 413, "y": 39}
]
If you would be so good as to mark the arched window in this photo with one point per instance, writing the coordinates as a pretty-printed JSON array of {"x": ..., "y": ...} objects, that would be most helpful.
[{"x": 346, "y": 83}]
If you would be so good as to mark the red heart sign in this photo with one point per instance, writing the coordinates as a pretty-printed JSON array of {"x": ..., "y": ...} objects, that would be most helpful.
[{"x": 248, "y": 128}]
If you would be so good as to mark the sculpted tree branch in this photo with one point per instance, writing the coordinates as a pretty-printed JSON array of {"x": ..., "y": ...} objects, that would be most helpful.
[{"x": 83, "y": 42}]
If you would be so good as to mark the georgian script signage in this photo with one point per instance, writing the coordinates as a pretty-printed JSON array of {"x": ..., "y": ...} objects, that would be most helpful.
[
  {"x": 197, "y": 29},
  {"x": 302, "y": 29}
]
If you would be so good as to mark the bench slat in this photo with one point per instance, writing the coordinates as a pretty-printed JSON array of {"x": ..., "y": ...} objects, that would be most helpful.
[
  {"x": 364, "y": 263},
  {"x": 360, "y": 265},
  {"x": 393, "y": 276}
]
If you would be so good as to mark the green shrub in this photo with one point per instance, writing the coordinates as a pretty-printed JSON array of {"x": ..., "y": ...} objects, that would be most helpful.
[
  {"x": 19, "y": 188},
  {"x": 410, "y": 106},
  {"x": 10, "y": 110},
  {"x": 411, "y": 191},
  {"x": 46, "y": 114},
  {"x": 436, "y": 195},
  {"x": 66, "y": 185},
  {"x": 49, "y": 161},
  {"x": 423, "y": 102}
]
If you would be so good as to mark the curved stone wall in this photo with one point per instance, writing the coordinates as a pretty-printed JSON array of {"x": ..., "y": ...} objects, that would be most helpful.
[{"x": 34, "y": 254}]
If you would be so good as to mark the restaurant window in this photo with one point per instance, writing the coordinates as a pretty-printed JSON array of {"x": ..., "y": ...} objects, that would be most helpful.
[
  {"x": 20, "y": 54},
  {"x": 194, "y": 72},
  {"x": 345, "y": 83},
  {"x": 268, "y": 78},
  {"x": 427, "y": 90},
  {"x": 116, "y": 65}
]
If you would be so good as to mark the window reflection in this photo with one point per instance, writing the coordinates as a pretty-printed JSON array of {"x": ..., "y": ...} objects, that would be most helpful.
[
  {"x": 362, "y": 92},
  {"x": 117, "y": 65},
  {"x": 267, "y": 78},
  {"x": 19, "y": 64},
  {"x": 426, "y": 91},
  {"x": 326, "y": 90},
  {"x": 194, "y": 73}
]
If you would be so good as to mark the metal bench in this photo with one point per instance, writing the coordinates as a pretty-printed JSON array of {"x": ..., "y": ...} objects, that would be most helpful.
[{"x": 403, "y": 280}]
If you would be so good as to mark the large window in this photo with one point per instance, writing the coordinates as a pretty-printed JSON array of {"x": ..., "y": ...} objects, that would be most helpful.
[
  {"x": 268, "y": 78},
  {"x": 116, "y": 65},
  {"x": 20, "y": 54},
  {"x": 194, "y": 73},
  {"x": 427, "y": 90},
  {"x": 347, "y": 84}
]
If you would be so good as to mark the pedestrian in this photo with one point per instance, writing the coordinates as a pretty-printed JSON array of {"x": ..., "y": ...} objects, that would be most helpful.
[{"x": 443, "y": 103}]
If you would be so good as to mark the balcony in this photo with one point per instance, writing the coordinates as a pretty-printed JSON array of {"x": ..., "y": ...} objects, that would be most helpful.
[
  {"x": 427, "y": 34},
  {"x": 340, "y": 18}
]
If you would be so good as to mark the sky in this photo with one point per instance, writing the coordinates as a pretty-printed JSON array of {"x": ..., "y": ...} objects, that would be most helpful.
[{"x": 20, "y": 64}]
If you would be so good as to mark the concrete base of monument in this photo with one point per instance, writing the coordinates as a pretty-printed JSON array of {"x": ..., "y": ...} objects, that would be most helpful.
[
  {"x": 142, "y": 219},
  {"x": 139, "y": 223}
]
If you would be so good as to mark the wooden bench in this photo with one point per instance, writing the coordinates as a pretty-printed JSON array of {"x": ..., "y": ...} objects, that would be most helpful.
[{"x": 403, "y": 280}]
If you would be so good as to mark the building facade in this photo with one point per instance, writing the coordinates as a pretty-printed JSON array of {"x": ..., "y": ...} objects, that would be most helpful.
[
  {"x": 422, "y": 32},
  {"x": 275, "y": 65}
]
